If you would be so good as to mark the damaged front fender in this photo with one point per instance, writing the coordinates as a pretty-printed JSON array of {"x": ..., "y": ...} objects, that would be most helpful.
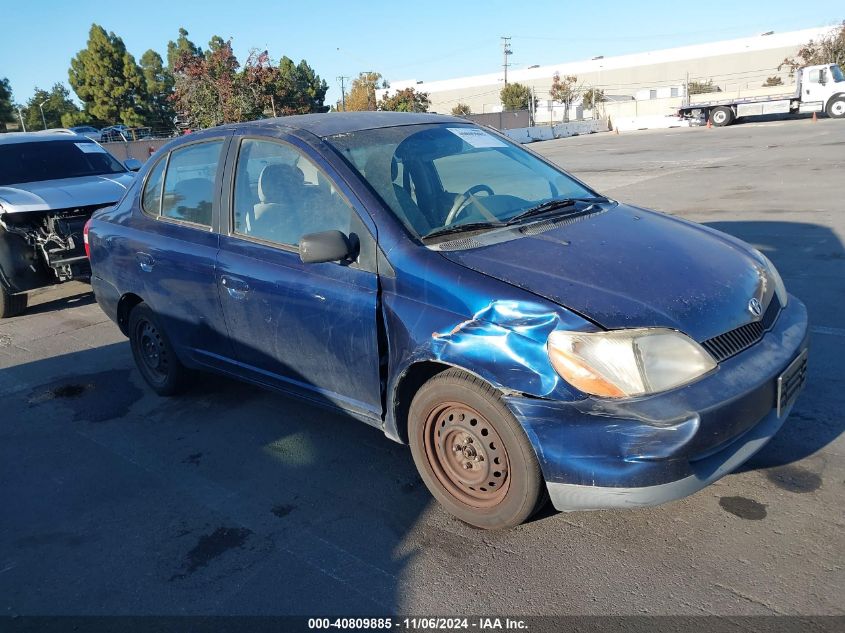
[{"x": 502, "y": 341}]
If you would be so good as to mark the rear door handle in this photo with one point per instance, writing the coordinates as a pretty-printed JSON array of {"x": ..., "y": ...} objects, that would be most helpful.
[
  {"x": 146, "y": 262},
  {"x": 237, "y": 288}
]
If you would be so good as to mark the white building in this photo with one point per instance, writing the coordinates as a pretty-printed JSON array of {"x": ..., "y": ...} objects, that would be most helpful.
[{"x": 659, "y": 76}]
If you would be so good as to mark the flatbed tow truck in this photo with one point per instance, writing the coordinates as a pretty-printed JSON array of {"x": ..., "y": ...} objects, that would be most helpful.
[{"x": 819, "y": 88}]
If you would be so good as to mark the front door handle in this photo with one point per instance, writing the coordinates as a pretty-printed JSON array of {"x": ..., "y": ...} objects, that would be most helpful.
[
  {"x": 146, "y": 262},
  {"x": 237, "y": 288}
]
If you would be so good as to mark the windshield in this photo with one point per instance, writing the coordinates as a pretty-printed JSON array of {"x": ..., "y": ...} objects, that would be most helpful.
[
  {"x": 436, "y": 177},
  {"x": 836, "y": 73},
  {"x": 52, "y": 160}
]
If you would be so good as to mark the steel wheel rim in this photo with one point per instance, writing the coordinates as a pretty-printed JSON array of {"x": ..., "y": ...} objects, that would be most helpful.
[
  {"x": 720, "y": 117},
  {"x": 838, "y": 108},
  {"x": 151, "y": 351},
  {"x": 467, "y": 455}
]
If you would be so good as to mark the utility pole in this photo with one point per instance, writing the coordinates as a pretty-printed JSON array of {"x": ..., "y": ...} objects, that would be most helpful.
[
  {"x": 41, "y": 107},
  {"x": 20, "y": 114},
  {"x": 342, "y": 79},
  {"x": 506, "y": 50}
]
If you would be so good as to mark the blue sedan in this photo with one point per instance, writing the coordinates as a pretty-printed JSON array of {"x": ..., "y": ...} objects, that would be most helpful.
[{"x": 527, "y": 336}]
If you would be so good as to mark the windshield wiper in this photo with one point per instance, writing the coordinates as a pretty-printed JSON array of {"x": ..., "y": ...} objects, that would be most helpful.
[
  {"x": 461, "y": 228},
  {"x": 549, "y": 206}
]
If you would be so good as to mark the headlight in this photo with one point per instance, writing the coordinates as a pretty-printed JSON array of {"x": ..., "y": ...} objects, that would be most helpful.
[
  {"x": 774, "y": 275},
  {"x": 624, "y": 363}
]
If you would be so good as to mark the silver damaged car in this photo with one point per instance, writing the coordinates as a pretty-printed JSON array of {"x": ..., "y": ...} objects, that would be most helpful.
[{"x": 50, "y": 184}]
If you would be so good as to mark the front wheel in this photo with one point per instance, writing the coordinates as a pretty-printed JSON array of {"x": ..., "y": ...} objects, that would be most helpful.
[
  {"x": 11, "y": 304},
  {"x": 836, "y": 107},
  {"x": 154, "y": 354},
  {"x": 472, "y": 453}
]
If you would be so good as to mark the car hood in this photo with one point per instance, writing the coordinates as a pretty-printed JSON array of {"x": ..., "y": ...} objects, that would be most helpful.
[
  {"x": 46, "y": 195},
  {"x": 628, "y": 267}
]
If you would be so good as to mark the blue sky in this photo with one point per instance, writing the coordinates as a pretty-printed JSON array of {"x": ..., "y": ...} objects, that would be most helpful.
[{"x": 402, "y": 39}]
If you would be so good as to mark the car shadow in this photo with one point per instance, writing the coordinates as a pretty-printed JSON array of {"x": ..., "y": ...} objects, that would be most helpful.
[
  {"x": 83, "y": 298},
  {"x": 229, "y": 498},
  {"x": 811, "y": 260}
]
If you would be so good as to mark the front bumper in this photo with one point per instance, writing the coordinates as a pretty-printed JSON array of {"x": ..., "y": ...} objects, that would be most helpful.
[{"x": 599, "y": 453}]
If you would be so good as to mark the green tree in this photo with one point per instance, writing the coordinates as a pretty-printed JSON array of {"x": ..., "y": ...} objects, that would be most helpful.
[
  {"x": 829, "y": 49},
  {"x": 702, "y": 87},
  {"x": 298, "y": 89},
  {"x": 108, "y": 81},
  {"x": 7, "y": 106},
  {"x": 59, "y": 109},
  {"x": 158, "y": 89},
  {"x": 407, "y": 100},
  {"x": 461, "y": 109},
  {"x": 362, "y": 92},
  {"x": 565, "y": 91},
  {"x": 515, "y": 96},
  {"x": 182, "y": 46},
  {"x": 592, "y": 97}
]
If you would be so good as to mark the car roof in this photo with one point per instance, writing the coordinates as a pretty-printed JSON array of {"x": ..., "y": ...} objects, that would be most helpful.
[
  {"x": 331, "y": 123},
  {"x": 38, "y": 137}
]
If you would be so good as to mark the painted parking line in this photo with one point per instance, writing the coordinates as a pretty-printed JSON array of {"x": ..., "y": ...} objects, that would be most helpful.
[{"x": 833, "y": 331}]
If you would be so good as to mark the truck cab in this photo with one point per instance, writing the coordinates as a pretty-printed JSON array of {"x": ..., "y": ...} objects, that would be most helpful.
[{"x": 822, "y": 88}]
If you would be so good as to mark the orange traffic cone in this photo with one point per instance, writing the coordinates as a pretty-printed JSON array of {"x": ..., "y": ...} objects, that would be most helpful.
[
  {"x": 709, "y": 124},
  {"x": 815, "y": 118},
  {"x": 617, "y": 130}
]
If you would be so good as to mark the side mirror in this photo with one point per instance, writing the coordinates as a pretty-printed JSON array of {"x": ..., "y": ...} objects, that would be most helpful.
[
  {"x": 132, "y": 164},
  {"x": 326, "y": 246}
]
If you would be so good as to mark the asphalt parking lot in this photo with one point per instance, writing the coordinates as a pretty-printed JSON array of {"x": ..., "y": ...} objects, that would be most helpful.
[{"x": 233, "y": 500}]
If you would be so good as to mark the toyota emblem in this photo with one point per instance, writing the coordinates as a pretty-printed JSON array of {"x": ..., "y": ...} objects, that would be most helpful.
[{"x": 754, "y": 307}]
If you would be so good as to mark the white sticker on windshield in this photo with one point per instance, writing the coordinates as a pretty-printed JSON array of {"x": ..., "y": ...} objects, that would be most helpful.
[
  {"x": 476, "y": 137},
  {"x": 90, "y": 148}
]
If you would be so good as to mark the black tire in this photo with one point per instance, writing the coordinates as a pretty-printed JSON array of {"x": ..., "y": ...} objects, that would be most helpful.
[
  {"x": 721, "y": 116},
  {"x": 11, "y": 304},
  {"x": 462, "y": 435},
  {"x": 154, "y": 354},
  {"x": 835, "y": 108}
]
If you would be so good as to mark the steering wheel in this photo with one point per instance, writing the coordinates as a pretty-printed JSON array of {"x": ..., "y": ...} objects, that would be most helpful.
[{"x": 463, "y": 200}]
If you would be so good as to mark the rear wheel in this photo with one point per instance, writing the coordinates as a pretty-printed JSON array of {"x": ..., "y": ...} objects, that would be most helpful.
[
  {"x": 154, "y": 354},
  {"x": 11, "y": 304},
  {"x": 472, "y": 453},
  {"x": 836, "y": 107},
  {"x": 721, "y": 116}
]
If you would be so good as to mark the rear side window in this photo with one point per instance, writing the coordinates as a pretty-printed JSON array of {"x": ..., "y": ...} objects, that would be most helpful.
[
  {"x": 151, "y": 198},
  {"x": 188, "y": 189}
]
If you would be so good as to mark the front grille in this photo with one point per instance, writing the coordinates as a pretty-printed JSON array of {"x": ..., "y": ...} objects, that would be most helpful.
[{"x": 731, "y": 343}]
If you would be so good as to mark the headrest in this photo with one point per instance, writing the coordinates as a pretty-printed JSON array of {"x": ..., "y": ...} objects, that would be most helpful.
[{"x": 277, "y": 182}]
